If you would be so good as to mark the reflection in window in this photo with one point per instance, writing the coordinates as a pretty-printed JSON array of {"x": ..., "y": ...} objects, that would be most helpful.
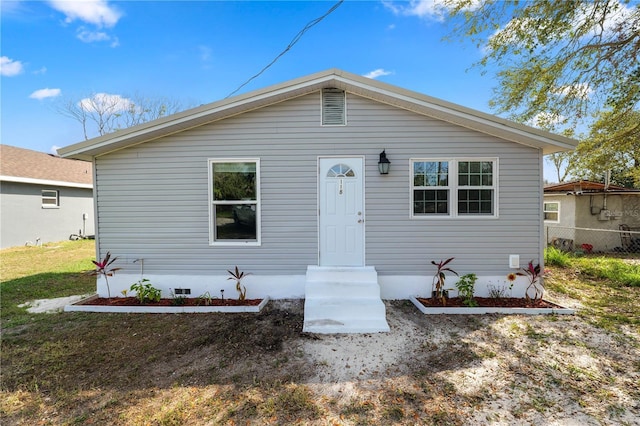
[
  {"x": 50, "y": 199},
  {"x": 453, "y": 187},
  {"x": 430, "y": 183},
  {"x": 234, "y": 198},
  {"x": 552, "y": 211}
]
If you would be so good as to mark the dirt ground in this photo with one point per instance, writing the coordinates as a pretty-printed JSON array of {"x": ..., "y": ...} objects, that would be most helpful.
[{"x": 261, "y": 369}]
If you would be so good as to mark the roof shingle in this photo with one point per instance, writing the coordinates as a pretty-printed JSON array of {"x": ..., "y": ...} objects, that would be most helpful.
[{"x": 25, "y": 163}]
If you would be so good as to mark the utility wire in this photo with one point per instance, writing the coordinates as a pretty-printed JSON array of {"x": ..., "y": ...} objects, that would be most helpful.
[{"x": 291, "y": 44}]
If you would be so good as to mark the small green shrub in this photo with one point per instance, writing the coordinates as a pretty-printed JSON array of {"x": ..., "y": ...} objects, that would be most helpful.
[
  {"x": 145, "y": 292},
  {"x": 556, "y": 257},
  {"x": 465, "y": 289}
]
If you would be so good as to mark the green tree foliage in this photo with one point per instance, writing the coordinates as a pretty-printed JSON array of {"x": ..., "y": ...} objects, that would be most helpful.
[
  {"x": 564, "y": 65},
  {"x": 599, "y": 153}
]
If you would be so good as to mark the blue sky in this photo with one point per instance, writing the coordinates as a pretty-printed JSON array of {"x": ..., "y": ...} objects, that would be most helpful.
[{"x": 201, "y": 51}]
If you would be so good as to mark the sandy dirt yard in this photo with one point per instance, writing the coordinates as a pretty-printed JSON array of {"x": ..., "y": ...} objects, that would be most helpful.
[
  {"x": 249, "y": 369},
  {"x": 543, "y": 370}
]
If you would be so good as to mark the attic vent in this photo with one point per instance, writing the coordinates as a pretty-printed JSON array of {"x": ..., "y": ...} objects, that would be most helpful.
[{"x": 333, "y": 107}]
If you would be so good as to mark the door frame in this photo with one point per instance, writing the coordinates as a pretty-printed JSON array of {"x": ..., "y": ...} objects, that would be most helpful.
[{"x": 318, "y": 198}]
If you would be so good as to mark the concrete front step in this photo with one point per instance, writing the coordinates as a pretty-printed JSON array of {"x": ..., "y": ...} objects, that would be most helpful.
[
  {"x": 340, "y": 309},
  {"x": 342, "y": 274},
  {"x": 342, "y": 290},
  {"x": 343, "y": 300}
]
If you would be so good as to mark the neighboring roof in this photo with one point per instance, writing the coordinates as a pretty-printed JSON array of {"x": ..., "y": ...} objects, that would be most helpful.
[
  {"x": 586, "y": 186},
  {"x": 333, "y": 78},
  {"x": 27, "y": 166}
]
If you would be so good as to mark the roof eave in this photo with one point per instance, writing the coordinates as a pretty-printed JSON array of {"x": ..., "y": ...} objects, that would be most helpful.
[{"x": 361, "y": 86}]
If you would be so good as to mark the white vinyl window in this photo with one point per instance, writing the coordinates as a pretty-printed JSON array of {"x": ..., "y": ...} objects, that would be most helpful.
[
  {"x": 234, "y": 195},
  {"x": 551, "y": 210},
  {"x": 454, "y": 187},
  {"x": 50, "y": 199}
]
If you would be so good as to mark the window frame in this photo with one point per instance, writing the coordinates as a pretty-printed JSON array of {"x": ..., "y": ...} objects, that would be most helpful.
[
  {"x": 49, "y": 197},
  {"x": 257, "y": 202},
  {"x": 453, "y": 187},
  {"x": 545, "y": 211}
]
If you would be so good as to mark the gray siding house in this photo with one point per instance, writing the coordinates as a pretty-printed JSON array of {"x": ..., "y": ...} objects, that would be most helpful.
[
  {"x": 284, "y": 182},
  {"x": 43, "y": 198}
]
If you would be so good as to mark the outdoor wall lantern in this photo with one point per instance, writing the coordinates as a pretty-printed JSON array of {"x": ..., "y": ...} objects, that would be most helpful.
[{"x": 384, "y": 163}]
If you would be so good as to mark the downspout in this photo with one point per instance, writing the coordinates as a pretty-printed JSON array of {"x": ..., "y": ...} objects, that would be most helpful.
[{"x": 607, "y": 182}]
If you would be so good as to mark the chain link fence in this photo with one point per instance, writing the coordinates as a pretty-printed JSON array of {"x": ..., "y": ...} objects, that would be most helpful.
[{"x": 625, "y": 241}]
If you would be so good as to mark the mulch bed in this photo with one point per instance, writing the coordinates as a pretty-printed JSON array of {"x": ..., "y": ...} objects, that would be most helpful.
[
  {"x": 488, "y": 302},
  {"x": 189, "y": 301}
]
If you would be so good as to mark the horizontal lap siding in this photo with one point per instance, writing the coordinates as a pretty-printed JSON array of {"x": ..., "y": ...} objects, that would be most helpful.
[{"x": 153, "y": 198}]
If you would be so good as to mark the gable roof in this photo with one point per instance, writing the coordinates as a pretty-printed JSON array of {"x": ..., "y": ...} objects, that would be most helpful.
[
  {"x": 27, "y": 166},
  {"x": 333, "y": 78},
  {"x": 585, "y": 187}
]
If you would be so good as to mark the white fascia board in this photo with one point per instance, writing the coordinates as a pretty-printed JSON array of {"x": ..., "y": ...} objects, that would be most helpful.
[
  {"x": 484, "y": 123},
  {"x": 183, "y": 119},
  {"x": 45, "y": 182}
]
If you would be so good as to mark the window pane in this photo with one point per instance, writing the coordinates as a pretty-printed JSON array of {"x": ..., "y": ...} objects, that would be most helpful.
[
  {"x": 235, "y": 222},
  {"x": 551, "y": 216},
  {"x": 431, "y": 201},
  {"x": 234, "y": 181},
  {"x": 431, "y": 173},
  {"x": 475, "y": 173},
  {"x": 475, "y": 201},
  {"x": 341, "y": 170},
  {"x": 551, "y": 207}
]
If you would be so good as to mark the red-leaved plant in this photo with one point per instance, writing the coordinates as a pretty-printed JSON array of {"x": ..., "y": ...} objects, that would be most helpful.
[
  {"x": 238, "y": 276},
  {"x": 533, "y": 273},
  {"x": 103, "y": 268},
  {"x": 439, "y": 277}
]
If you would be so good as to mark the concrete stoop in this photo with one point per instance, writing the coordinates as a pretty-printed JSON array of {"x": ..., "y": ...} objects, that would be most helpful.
[{"x": 343, "y": 300}]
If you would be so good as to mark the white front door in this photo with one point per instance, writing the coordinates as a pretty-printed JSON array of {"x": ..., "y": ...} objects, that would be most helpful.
[{"x": 341, "y": 211}]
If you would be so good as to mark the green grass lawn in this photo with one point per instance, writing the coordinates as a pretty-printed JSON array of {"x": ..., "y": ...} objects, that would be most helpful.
[{"x": 53, "y": 270}]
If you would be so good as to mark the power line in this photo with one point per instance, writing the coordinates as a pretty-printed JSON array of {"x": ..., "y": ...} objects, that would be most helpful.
[{"x": 291, "y": 44}]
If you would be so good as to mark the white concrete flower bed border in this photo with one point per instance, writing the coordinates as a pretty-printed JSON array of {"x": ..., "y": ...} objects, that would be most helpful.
[
  {"x": 490, "y": 310},
  {"x": 81, "y": 306}
]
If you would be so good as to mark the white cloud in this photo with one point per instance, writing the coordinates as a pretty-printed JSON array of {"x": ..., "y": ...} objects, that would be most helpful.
[
  {"x": 45, "y": 93},
  {"x": 377, "y": 73},
  {"x": 9, "y": 67},
  {"x": 96, "y": 12},
  {"x": 617, "y": 15},
  {"x": 582, "y": 91},
  {"x": 426, "y": 9},
  {"x": 546, "y": 120},
  {"x": 87, "y": 36},
  {"x": 101, "y": 102},
  {"x": 54, "y": 149},
  {"x": 205, "y": 53},
  {"x": 42, "y": 70}
]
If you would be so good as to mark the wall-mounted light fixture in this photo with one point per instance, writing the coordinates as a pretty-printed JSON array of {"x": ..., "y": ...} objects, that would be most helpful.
[{"x": 383, "y": 163}]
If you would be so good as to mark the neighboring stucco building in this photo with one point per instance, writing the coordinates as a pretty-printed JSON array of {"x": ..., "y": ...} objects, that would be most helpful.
[
  {"x": 573, "y": 210},
  {"x": 285, "y": 182},
  {"x": 43, "y": 197}
]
